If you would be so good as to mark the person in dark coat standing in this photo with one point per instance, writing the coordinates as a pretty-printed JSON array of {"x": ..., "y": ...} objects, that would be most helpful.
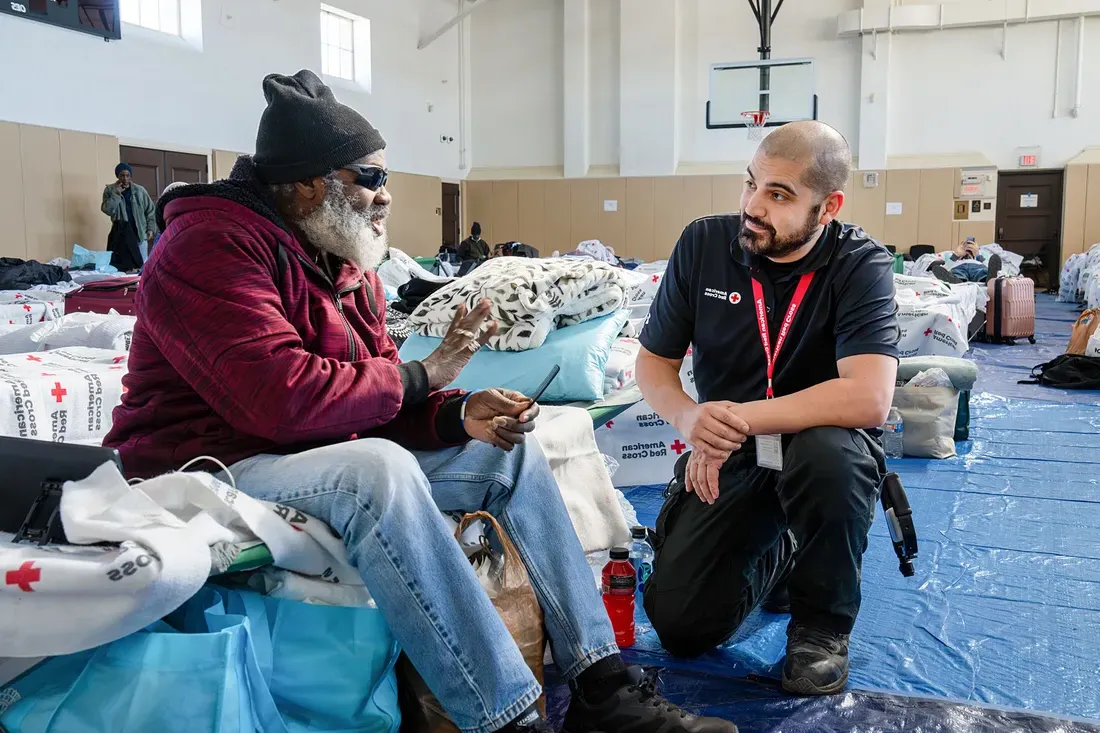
[{"x": 133, "y": 215}]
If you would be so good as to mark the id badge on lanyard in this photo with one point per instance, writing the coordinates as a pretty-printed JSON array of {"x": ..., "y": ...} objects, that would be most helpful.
[{"x": 769, "y": 448}]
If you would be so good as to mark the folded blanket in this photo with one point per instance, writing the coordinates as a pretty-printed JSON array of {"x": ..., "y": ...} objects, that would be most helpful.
[{"x": 530, "y": 298}]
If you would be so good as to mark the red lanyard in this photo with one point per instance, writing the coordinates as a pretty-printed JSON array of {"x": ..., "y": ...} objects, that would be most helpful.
[{"x": 762, "y": 322}]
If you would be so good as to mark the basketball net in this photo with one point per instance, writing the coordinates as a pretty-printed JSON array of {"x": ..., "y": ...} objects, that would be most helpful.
[{"x": 755, "y": 122}]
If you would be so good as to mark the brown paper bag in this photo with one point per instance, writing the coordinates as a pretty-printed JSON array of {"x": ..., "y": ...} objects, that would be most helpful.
[
  {"x": 1087, "y": 324},
  {"x": 514, "y": 599}
]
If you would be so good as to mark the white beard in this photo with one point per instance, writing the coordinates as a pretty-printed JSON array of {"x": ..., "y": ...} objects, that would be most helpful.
[{"x": 337, "y": 228}]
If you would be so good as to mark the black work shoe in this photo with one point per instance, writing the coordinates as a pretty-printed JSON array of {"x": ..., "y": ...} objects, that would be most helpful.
[
  {"x": 994, "y": 267},
  {"x": 778, "y": 599},
  {"x": 944, "y": 275},
  {"x": 637, "y": 708},
  {"x": 817, "y": 661}
]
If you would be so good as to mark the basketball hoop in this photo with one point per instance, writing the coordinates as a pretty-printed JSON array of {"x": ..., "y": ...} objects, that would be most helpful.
[{"x": 755, "y": 121}]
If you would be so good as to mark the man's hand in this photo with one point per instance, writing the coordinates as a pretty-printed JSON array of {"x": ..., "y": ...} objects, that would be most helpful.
[
  {"x": 465, "y": 336},
  {"x": 713, "y": 429},
  {"x": 500, "y": 417},
  {"x": 701, "y": 477}
]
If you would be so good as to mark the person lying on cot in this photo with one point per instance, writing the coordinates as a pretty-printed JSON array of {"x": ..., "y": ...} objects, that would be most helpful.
[
  {"x": 969, "y": 266},
  {"x": 774, "y": 502},
  {"x": 261, "y": 341}
]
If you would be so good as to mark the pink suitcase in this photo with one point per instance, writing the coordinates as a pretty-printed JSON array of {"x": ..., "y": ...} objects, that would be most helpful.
[
  {"x": 1010, "y": 313},
  {"x": 103, "y": 295}
]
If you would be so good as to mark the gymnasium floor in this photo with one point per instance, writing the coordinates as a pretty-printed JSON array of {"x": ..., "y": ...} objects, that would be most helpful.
[{"x": 1000, "y": 628}]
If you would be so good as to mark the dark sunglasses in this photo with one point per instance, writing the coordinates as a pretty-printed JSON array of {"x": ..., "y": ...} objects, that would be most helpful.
[{"x": 370, "y": 177}]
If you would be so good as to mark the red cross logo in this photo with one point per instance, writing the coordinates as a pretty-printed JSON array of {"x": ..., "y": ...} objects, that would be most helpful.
[
  {"x": 32, "y": 357},
  {"x": 610, "y": 423},
  {"x": 27, "y": 308},
  {"x": 656, "y": 278},
  {"x": 928, "y": 332},
  {"x": 119, "y": 359},
  {"x": 58, "y": 391},
  {"x": 24, "y": 576},
  {"x": 949, "y": 320},
  {"x": 918, "y": 295},
  {"x": 18, "y": 296},
  {"x": 678, "y": 446},
  {"x": 48, "y": 374},
  {"x": 113, "y": 368},
  {"x": 735, "y": 298}
]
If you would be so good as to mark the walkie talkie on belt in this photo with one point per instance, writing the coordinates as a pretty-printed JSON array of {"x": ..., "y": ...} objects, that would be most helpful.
[{"x": 899, "y": 518}]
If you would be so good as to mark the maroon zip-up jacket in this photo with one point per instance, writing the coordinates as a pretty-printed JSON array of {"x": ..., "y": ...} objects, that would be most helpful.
[{"x": 244, "y": 346}]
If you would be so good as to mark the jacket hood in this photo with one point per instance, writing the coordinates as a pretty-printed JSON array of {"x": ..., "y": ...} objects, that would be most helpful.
[{"x": 242, "y": 187}]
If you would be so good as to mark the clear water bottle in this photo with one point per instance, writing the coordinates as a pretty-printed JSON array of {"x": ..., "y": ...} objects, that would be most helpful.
[
  {"x": 893, "y": 435},
  {"x": 641, "y": 555}
]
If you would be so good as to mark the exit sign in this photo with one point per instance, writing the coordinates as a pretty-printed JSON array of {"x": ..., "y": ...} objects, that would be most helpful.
[{"x": 1029, "y": 160}]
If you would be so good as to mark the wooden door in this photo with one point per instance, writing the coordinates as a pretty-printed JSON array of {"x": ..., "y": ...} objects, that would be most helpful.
[
  {"x": 451, "y": 234},
  {"x": 1029, "y": 216},
  {"x": 155, "y": 169}
]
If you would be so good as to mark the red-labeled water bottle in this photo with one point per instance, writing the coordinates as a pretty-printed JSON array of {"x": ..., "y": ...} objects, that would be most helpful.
[{"x": 619, "y": 583}]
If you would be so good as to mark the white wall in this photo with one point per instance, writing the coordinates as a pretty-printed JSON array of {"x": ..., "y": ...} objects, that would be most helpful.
[
  {"x": 950, "y": 91},
  {"x": 173, "y": 95},
  {"x": 516, "y": 90}
]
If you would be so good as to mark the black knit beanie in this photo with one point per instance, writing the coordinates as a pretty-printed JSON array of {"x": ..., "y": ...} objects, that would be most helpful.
[{"x": 305, "y": 132}]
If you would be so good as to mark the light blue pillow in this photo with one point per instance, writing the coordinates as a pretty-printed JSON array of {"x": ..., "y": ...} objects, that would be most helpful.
[
  {"x": 581, "y": 351},
  {"x": 83, "y": 257}
]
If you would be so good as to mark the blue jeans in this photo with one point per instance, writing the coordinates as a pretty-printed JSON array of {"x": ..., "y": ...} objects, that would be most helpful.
[{"x": 385, "y": 502}]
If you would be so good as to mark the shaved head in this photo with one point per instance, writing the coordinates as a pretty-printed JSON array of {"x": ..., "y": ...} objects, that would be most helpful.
[{"x": 823, "y": 150}]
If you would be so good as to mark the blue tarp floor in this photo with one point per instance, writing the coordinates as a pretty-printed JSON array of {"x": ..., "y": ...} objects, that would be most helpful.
[{"x": 1001, "y": 625}]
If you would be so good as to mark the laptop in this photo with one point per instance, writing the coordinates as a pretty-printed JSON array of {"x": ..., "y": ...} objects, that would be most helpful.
[{"x": 33, "y": 472}]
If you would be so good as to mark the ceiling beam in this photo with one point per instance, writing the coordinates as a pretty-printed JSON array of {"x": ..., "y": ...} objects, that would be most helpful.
[{"x": 432, "y": 38}]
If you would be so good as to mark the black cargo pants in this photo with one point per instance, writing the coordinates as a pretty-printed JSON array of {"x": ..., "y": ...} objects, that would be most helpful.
[{"x": 715, "y": 562}]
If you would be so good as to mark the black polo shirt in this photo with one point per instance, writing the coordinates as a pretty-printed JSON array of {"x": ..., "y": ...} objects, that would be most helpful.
[{"x": 705, "y": 301}]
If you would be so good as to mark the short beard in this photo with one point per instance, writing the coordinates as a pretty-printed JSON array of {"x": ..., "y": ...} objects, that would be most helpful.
[
  {"x": 768, "y": 244},
  {"x": 338, "y": 228}
]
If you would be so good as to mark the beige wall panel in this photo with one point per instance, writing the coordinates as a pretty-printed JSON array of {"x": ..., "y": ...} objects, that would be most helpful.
[
  {"x": 107, "y": 157},
  {"x": 612, "y": 224},
  {"x": 40, "y": 151},
  {"x": 867, "y": 207},
  {"x": 13, "y": 241},
  {"x": 640, "y": 209},
  {"x": 84, "y": 223},
  {"x": 1092, "y": 208},
  {"x": 698, "y": 198},
  {"x": 903, "y": 187},
  {"x": 415, "y": 224},
  {"x": 982, "y": 231},
  {"x": 726, "y": 194},
  {"x": 505, "y": 211},
  {"x": 479, "y": 208},
  {"x": 1073, "y": 210},
  {"x": 668, "y": 215},
  {"x": 558, "y": 218},
  {"x": 223, "y": 161},
  {"x": 584, "y": 205},
  {"x": 956, "y": 237},
  {"x": 531, "y": 207},
  {"x": 937, "y": 200}
]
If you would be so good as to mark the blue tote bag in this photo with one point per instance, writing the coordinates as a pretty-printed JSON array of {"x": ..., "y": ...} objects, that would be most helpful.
[{"x": 226, "y": 662}]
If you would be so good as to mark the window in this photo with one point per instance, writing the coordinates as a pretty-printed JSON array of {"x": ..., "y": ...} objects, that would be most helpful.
[
  {"x": 345, "y": 46},
  {"x": 156, "y": 15}
]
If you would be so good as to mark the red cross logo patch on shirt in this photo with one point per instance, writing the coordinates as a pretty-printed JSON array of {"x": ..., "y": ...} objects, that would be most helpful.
[{"x": 26, "y": 574}]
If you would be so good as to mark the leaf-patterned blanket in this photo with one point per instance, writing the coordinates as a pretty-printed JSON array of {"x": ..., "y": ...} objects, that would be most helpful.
[{"x": 530, "y": 297}]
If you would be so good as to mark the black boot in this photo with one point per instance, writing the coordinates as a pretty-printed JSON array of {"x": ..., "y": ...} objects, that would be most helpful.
[
  {"x": 817, "y": 661},
  {"x": 637, "y": 708}
]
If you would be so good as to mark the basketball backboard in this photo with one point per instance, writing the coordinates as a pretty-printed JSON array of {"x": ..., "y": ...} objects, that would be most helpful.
[{"x": 782, "y": 87}]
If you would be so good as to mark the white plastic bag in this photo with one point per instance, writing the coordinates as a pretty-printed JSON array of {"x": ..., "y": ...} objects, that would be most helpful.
[
  {"x": 929, "y": 414},
  {"x": 934, "y": 377}
]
